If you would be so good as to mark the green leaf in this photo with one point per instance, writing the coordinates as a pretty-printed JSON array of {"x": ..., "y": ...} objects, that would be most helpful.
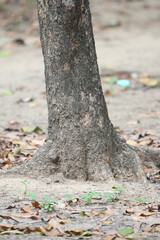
[
  {"x": 140, "y": 199},
  {"x": 16, "y": 150},
  {"x": 83, "y": 214},
  {"x": 112, "y": 80},
  {"x": 54, "y": 201},
  {"x": 6, "y": 91},
  {"x": 11, "y": 231},
  {"x": 98, "y": 193},
  {"x": 111, "y": 90},
  {"x": 5, "y": 53},
  {"x": 25, "y": 183},
  {"x": 116, "y": 187},
  {"x": 45, "y": 198},
  {"x": 32, "y": 104},
  {"x": 86, "y": 234},
  {"x": 29, "y": 129},
  {"x": 32, "y": 195},
  {"x": 125, "y": 230}
]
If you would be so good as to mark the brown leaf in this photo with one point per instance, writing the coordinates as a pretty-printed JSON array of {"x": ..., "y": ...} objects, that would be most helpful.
[
  {"x": 54, "y": 228},
  {"x": 27, "y": 209},
  {"x": 5, "y": 226},
  {"x": 110, "y": 237},
  {"x": 38, "y": 142},
  {"x": 35, "y": 229},
  {"x": 97, "y": 233},
  {"x": 93, "y": 212},
  {"x": 157, "y": 229},
  {"x": 150, "y": 208},
  {"x": 107, "y": 92},
  {"x": 75, "y": 232},
  {"x": 53, "y": 233},
  {"x": 152, "y": 228},
  {"x": 36, "y": 204},
  {"x": 7, "y": 164},
  {"x": 11, "y": 157},
  {"x": 147, "y": 229},
  {"x": 144, "y": 214},
  {"x": 129, "y": 210},
  {"x": 78, "y": 230},
  {"x": 23, "y": 215}
]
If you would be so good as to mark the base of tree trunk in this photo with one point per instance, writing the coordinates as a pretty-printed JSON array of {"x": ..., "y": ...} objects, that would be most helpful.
[{"x": 126, "y": 163}]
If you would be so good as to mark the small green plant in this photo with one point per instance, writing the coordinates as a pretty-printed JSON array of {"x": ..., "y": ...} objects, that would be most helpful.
[
  {"x": 118, "y": 188},
  {"x": 69, "y": 196},
  {"x": 32, "y": 196},
  {"x": 26, "y": 192},
  {"x": 87, "y": 197},
  {"x": 46, "y": 205},
  {"x": 110, "y": 197},
  {"x": 113, "y": 196},
  {"x": 138, "y": 199},
  {"x": 125, "y": 231}
]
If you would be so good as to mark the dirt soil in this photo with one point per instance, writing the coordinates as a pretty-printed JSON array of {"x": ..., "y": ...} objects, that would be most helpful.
[{"x": 128, "y": 47}]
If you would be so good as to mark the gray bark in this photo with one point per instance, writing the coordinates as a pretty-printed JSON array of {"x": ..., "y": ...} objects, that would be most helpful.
[
  {"x": 81, "y": 143},
  {"x": 84, "y": 145}
]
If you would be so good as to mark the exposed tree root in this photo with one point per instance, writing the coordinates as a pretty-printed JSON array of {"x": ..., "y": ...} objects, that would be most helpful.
[{"x": 127, "y": 163}]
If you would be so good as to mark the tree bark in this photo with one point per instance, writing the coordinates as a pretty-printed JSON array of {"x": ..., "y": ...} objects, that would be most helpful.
[{"x": 82, "y": 143}]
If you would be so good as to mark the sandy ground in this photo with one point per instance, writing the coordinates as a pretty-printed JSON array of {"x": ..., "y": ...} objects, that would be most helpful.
[{"x": 127, "y": 41}]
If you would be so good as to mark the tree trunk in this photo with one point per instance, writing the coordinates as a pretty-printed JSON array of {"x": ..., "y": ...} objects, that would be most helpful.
[
  {"x": 80, "y": 132},
  {"x": 81, "y": 143}
]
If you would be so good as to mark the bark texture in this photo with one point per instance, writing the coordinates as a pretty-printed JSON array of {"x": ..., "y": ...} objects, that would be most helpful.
[
  {"x": 82, "y": 143},
  {"x": 79, "y": 126}
]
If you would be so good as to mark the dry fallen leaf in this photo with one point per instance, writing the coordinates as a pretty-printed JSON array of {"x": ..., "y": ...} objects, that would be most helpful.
[
  {"x": 132, "y": 143},
  {"x": 35, "y": 229},
  {"x": 147, "y": 229},
  {"x": 144, "y": 214},
  {"x": 149, "y": 82},
  {"x": 27, "y": 209},
  {"x": 97, "y": 233},
  {"x": 150, "y": 208},
  {"x": 5, "y": 226},
  {"x": 36, "y": 204},
  {"x": 11, "y": 157},
  {"x": 22, "y": 215},
  {"x": 130, "y": 210},
  {"x": 110, "y": 237},
  {"x": 54, "y": 229},
  {"x": 94, "y": 213}
]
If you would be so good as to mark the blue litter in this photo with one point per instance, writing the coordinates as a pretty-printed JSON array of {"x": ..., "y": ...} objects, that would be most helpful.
[{"x": 123, "y": 82}]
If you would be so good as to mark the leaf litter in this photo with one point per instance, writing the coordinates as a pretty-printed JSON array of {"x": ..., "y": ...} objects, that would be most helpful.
[
  {"x": 19, "y": 144},
  {"x": 127, "y": 218},
  {"x": 105, "y": 215}
]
